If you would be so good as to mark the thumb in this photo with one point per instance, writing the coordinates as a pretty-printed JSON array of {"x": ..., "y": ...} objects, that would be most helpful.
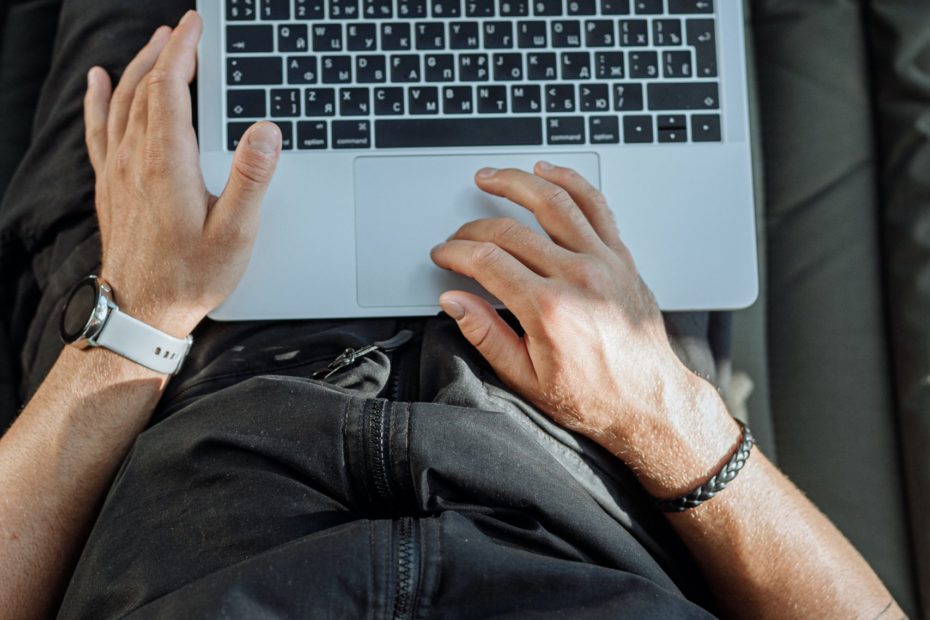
[
  {"x": 253, "y": 167},
  {"x": 484, "y": 328}
]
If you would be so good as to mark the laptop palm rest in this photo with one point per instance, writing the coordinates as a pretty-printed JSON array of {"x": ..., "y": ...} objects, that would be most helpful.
[{"x": 405, "y": 205}]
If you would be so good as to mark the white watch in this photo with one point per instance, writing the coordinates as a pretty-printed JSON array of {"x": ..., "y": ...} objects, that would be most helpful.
[{"x": 91, "y": 318}]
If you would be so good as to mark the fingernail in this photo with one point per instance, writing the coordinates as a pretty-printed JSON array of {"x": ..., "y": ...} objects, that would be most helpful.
[
  {"x": 186, "y": 18},
  {"x": 544, "y": 165},
  {"x": 452, "y": 308},
  {"x": 487, "y": 173},
  {"x": 265, "y": 138},
  {"x": 91, "y": 77},
  {"x": 157, "y": 33}
]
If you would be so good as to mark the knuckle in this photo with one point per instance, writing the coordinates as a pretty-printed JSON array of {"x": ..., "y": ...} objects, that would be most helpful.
[
  {"x": 123, "y": 159},
  {"x": 559, "y": 199},
  {"x": 478, "y": 333},
  {"x": 253, "y": 166},
  {"x": 158, "y": 79},
  {"x": 599, "y": 200},
  {"x": 154, "y": 158},
  {"x": 550, "y": 308},
  {"x": 587, "y": 274},
  {"x": 486, "y": 255},
  {"x": 505, "y": 230}
]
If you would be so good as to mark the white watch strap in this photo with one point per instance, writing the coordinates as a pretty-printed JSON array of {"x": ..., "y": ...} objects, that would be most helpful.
[{"x": 142, "y": 343}]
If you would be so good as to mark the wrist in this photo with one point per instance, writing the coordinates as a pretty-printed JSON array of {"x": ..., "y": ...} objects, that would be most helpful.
[
  {"x": 685, "y": 439},
  {"x": 173, "y": 318}
]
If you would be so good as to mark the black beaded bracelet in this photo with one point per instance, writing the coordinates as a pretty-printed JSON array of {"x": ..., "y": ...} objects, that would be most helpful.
[{"x": 717, "y": 483}]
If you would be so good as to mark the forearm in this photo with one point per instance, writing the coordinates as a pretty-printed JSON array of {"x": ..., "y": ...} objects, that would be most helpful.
[
  {"x": 56, "y": 463},
  {"x": 764, "y": 548}
]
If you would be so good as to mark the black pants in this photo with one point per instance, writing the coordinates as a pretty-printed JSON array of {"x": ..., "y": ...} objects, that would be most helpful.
[{"x": 257, "y": 490}]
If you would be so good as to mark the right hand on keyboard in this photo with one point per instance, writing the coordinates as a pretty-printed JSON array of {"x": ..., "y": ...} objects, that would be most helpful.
[{"x": 172, "y": 251}]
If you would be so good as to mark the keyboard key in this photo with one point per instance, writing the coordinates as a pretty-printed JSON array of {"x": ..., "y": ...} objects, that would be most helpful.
[
  {"x": 253, "y": 71},
  {"x": 514, "y": 8},
  {"x": 351, "y": 134},
  {"x": 479, "y": 8},
  {"x": 247, "y": 39},
  {"x": 311, "y": 135},
  {"x": 666, "y": 32},
  {"x": 343, "y": 9},
  {"x": 566, "y": 33},
  {"x": 634, "y": 32},
  {"x": 615, "y": 7},
  {"x": 287, "y": 134},
  {"x": 582, "y": 7},
  {"x": 327, "y": 38},
  {"x": 405, "y": 68},
  {"x": 308, "y": 9},
  {"x": 411, "y": 9},
  {"x": 473, "y": 67},
  {"x": 644, "y": 65},
  {"x": 430, "y": 35},
  {"x": 423, "y": 100},
  {"x": 377, "y": 9},
  {"x": 599, "y": 33},
  {"x": 638, "y": 130},
  {"x": 576, "y": 65},
  {"x": 457, "y": 100},
  {"x": 648, "y": 7},
  {"x": 705, "y": 128},
  {"x": 301, "y": 70},
  {"x": 292, "y": 38},
  {"x": 361, "y": 37},
  {"x": 240, "y": 10},
  {"x": 396, "y": 37},
  {"x": 285, "y": 102},
  {"x": 463, "y": 35},
  {"x": 498, "y": 35},
  {"x": 527, "y": 99},
  {"x": 690, "y": 6},
  {"x": 560, "y": 98},
  {"x": 492, "y": 100},
  {"x": 565, "y": 130},
  {"x": 594, "y": 97},
  {"x": 276, "y": 9},
  {"x": 677, "y": 64},
  {"x": 672, "y": 128},
  {"x": 439, "y": 68},
  {"x": 370, "y": 69},
  {"x": 609, "y": 65},
  {"x": 320, "y": 102},
  {"x": 508, "y": 67},
  {"x": 245, "y": 103},
  {"x": 628, "y": 97},
  {"x": 531, "y": 34},
  {"x": 541, "y": 66},
  {"x": 353, "y": 102},
  {"x": 542, "y": 8},
  {"x": 234, "y": 132},
  {"x": 604, "y": 129},
  {"x": 683, "y": 96},
  {"x": 446, "y": 8},
  {"x": 389, "y": 101},
  {"x": 701, "y": 36},
  {"x": 336, "y": 69},
  {"x": 458, "y": 132}
]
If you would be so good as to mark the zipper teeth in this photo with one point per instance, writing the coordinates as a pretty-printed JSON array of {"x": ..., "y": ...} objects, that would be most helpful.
[
  {"x": 376, "y": 449},
  {"x": 403, "y": 591}
]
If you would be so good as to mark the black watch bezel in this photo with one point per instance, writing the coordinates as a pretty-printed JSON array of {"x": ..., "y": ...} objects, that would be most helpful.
[{"x": 97, "y": 312}]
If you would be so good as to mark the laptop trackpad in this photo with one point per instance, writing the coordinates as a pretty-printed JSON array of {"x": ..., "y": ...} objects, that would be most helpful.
[{"x": 406, "y": 205}]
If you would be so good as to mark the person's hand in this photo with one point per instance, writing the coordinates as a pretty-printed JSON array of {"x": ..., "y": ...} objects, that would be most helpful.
[
  {"x": 171, "y": 250},
  {"x": 595, "y": 355}
]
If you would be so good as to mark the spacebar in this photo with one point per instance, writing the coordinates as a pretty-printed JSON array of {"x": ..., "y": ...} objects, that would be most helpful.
[{"x": 407, "y": 133}]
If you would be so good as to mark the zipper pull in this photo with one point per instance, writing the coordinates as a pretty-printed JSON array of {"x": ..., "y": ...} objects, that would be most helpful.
[{"x": 350, "y": 356}]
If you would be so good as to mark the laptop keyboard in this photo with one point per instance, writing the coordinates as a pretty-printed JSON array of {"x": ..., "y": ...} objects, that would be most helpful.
[{"x": 394, "y": 74}]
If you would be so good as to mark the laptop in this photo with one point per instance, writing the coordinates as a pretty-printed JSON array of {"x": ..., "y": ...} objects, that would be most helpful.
[{"x": 389, "y": 107}]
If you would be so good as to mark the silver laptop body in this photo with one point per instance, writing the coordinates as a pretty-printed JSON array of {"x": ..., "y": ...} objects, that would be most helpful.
[{"x": 646, "y": 98}]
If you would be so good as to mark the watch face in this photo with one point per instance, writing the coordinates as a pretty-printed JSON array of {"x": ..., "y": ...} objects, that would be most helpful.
[{"x": 79, "y": 310}]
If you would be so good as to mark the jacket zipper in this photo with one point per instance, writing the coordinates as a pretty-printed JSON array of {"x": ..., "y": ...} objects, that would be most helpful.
[
  {"x": 407, "y": 565},
  {"x": 378, "y": 417}
]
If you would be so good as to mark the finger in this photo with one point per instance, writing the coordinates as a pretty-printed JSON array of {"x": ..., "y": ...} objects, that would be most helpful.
[
  {"x": 554, "y": 209},
  {"x": 498, "y": 272},
  {"x": 484, "y": 328},
  {"x": 588, "y": 198},
  {"x": 527, "y": 246},
  {"x": 169, "y": 84},
  {"x": 138, "y": 113},
  {"x": 125, "y": 91},
  {"x": 237, "y": 211},
  {"x": 96, "y": 110}
]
